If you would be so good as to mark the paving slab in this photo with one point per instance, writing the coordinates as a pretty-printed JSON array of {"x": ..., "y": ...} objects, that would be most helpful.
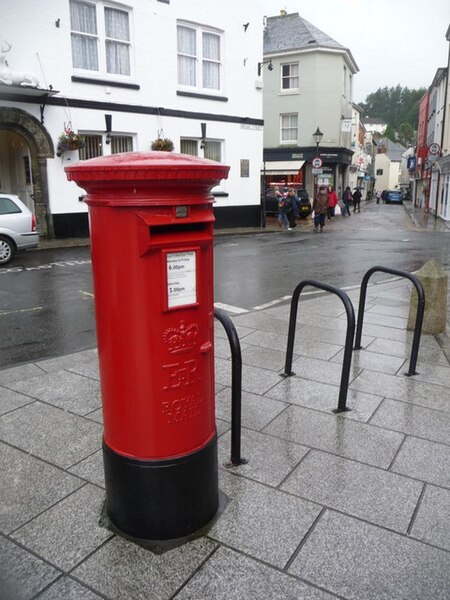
[
  {"x": 263, "y": 522},
  {"x": 433, "y": 517},
  {"x": 413, "y": 420},
  {"x": 51, "y": 433},
  {"x": 22, "y": 575},
  {"x": 370, "y": 563},
  {"x": 350, "y": 439},
  {"x": 10, "y": 400},
  {"x": 68, "y": 589},
  {"x": 404, "y": 389},
  {"x": 70, "y": 391},
  {"x": 424, "y": 460},
  {"x": 270, "y": 459},
  {"x": 257, "y": 411},
  {"x": 29, "y": 486},
  {"x": 372, "y": 494},
  {"x": 227, "y": 575},
  {"x": 69, "y": 531},
  {"x": 121, "y": 570},
  {"x": 324, "y": 397}
]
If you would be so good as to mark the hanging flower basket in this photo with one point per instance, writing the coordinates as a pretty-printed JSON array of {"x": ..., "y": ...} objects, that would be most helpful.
[
  {"x": 70, "y": 140},
  {"x": 162, "y": 144}
]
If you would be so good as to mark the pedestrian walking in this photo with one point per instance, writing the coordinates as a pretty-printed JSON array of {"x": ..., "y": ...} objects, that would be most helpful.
[
  {"x": 347, "y": 197},
  {"x": 333, "y": 201},
  {"x": 357, "y": 200},
  {"x": 320, "y": 208},
  {"x": 282, "y": 212},
  {"x": 292, "y": 207},
  {"x": 378, "y": 195}
]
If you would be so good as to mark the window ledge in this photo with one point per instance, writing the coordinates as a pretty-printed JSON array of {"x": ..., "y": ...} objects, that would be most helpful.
[
  {"x": 107, "y": 82},
  {"x": 203, "y": 96}
]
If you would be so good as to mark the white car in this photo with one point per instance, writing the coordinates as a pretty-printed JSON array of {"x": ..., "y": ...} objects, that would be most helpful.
[{"x": 18, "y": 227}]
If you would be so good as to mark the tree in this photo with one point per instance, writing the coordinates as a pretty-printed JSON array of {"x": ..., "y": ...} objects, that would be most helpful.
[
  {"x": 406, "y": 134},
  {"x": 395, "y": 105}
]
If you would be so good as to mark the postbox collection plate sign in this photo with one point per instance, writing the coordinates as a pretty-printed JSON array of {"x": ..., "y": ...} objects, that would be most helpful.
[{"x": 181, "y": 278}]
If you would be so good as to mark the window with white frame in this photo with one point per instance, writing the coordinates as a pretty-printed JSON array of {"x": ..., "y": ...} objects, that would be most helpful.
[
  {"x": 199, "y": 57},
  {"x": 289, "y": 127},
  {"x": 290, "y": 76},
  {"x": 100, "y": 36}
]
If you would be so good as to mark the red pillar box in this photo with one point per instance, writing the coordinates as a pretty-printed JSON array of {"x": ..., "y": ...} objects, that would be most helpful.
[{"x": 151, "y": 225}]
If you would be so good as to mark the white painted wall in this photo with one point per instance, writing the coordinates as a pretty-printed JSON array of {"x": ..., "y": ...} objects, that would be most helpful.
[{"x": 37, "y": 42}]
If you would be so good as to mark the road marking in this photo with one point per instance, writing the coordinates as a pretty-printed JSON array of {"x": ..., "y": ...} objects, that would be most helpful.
[
  {"x": 65, "y": 263},
  {"x": 4, "y": 313},
  {"x": 314, "y": 293},
  {"x": 90, "y": 294},
  {"x": 232, "y": 309}
]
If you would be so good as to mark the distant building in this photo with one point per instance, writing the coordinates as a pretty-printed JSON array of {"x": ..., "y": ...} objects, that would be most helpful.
[
  {"x": 390, "y": 165},
  {"x": 308, "y": 84},
  {"x": 373, "y": 125}
]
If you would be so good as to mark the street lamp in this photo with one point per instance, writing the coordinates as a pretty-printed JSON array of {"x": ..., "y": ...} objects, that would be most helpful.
[
  {"x": 265, "y": 62},
  {"x": 317, "y": 135}
]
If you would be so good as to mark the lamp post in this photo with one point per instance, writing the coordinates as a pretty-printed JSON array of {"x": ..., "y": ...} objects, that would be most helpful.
[{"x": 317, "y": 135}]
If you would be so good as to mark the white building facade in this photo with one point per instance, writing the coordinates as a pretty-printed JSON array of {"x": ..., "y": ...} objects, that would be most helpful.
[{"x": 123, "y": 75}]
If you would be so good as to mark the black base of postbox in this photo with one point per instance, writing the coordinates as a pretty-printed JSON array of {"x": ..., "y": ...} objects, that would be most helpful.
[{"x": 161, "y": 499}]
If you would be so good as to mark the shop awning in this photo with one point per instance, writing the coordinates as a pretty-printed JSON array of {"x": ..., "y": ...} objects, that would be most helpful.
[{"x": 283, "y": 167}]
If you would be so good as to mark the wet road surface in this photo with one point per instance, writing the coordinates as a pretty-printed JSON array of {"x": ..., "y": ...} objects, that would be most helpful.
[{"x": 46, "y": 296}]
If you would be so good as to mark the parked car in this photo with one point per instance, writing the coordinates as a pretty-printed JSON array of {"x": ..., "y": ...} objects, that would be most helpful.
[
  {"x": 18, "y": 227},
  {"x": 392, "y": 197},
  {"x": 271, "y": 204}
]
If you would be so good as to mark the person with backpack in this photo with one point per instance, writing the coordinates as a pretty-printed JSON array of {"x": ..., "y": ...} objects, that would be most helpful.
[{"x": 347, "y": 197}]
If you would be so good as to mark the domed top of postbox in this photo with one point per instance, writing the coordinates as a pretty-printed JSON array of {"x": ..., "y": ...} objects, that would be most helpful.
[{"x": 143, "y": 172}]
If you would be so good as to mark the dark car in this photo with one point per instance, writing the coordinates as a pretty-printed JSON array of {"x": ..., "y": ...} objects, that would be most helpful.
[
  {"x": 271, "y": 203},
  {"x": 392, "y": 197}
]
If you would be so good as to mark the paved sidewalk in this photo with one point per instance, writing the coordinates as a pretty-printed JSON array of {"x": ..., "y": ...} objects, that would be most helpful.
[{"x": 353, "y": 506}]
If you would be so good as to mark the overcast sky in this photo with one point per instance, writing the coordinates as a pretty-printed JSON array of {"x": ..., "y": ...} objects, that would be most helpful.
[{"x": 392, "y": 41}]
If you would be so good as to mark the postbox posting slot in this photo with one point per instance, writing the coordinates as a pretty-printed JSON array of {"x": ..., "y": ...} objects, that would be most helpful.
[{"x": 156, "y": 230}]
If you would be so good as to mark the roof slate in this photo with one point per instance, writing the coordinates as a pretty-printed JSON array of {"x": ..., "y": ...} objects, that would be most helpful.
[{"x": 292, "y": 32}]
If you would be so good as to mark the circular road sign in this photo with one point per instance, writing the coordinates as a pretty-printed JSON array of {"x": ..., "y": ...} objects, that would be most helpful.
[
  {"x": 317, "y": 163},
  {"x": 434, "y": 148}
]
